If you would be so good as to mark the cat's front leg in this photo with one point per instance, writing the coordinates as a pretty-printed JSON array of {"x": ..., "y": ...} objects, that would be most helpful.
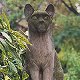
[
  {"x": 34, "y": 74},
  {"x": 48, "y": 74}
]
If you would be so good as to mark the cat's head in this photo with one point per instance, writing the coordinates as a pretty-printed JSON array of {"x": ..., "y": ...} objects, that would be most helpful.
[{"x": 39, "y": 21}]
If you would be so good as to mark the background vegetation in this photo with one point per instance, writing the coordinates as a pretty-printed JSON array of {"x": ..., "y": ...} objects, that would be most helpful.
[{"x": 66, "y": 32}]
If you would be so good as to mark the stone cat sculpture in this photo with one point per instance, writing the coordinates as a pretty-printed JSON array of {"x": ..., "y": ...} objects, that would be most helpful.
[{"x": 41, "y": 61}]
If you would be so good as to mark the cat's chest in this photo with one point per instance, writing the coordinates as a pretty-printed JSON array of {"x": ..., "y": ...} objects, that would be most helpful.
[{"x": 41, "y": 47}]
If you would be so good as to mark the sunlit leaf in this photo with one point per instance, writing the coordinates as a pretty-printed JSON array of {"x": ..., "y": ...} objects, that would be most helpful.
[
  {"x": 7, "y": 78},
  {"x": 6, "y": 21},
  {"x": 25, "y": 75},
  {"x": 7, "y": 36},
  {"x": 20, "y": 36}
]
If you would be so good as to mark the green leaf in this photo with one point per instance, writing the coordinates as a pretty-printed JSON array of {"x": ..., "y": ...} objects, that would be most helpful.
[
  {"x": 1, "y": 23},
  {"x": 18, "y": 63},
  {"x": 2, "y": 48},
  {"x": 6, "y": 21},
  {"x": 25, "y": 75},
  {"x": 7, "y": 36},
  {"x": 12, "y": 50},
  {"x": 21, "y": 37},
  {"x": 12, "y": 67},
  {"x": 11, "y": 45},
  {"x": 7, "y": 78},
  {"x": 4, "y": 43}
]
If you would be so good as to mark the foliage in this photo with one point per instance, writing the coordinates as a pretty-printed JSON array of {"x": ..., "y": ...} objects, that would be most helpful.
[
  {"x": 68, "y": 38},
  {"x": 69, "y": 32},
  {"x": 15, "y": 8},
  {"x": 71, "y": 63},
  {"x": 11, "y": 45}
]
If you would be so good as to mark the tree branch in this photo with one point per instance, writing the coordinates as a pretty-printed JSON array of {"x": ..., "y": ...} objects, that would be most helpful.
[
  {"x": 71, "y": 8},
  {"x": 70, "y": 3}
]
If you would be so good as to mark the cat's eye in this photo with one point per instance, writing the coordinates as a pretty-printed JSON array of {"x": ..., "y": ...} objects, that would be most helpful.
[
  {"x": 46, "y": 17},
  {"x": 34, "y": 17}
]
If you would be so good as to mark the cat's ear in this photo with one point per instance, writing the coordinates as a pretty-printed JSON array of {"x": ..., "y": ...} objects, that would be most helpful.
[
  {"x": 28, "y": 11},
  {"x": 50, "y": 10}
]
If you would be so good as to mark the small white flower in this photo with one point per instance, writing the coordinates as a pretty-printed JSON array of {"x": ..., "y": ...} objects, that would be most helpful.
[
  {"x": 78, "y": 9},
  {"x": 27, "y": 33},
  {"x": 77, "y": 4}
]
